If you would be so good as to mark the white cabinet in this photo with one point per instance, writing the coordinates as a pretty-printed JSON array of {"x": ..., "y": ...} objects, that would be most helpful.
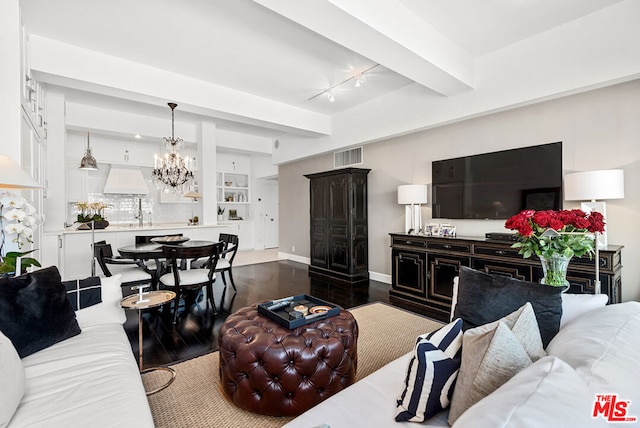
[{"x": 244, "y": 230}]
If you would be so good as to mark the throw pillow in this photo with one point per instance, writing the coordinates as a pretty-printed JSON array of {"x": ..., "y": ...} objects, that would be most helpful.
[
  {"x": 35, "y": 312},
  {"x": 492, "y": 354},
  {"x": 548, "y": 393},
  {"x": 107, "y": 312},
  {"x": 574, "y": 305},
  {"x": 12, "y": 379},
  {"x": 431, "y": 374},
  {"x": 483, "y": 298},
  {"x": 83, "y": 293}
]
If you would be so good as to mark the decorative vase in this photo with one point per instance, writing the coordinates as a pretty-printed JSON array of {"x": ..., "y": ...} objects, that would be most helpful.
[
  {"x": 98, "y": 224},
  {"x": 555, "y": 270}
]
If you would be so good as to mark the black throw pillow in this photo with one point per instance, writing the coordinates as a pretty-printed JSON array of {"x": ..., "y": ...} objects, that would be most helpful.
[
  {"x": 35, "y": 312},
  {"x": 83, "y": 293},
  {"x": 485, "y": 298}
]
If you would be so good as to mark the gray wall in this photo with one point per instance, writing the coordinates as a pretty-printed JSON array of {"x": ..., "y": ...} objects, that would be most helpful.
[{"x": 599, "y": 129}]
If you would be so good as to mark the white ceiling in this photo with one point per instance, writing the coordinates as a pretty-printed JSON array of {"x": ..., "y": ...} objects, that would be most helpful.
[{"x": 259, "y": 61}]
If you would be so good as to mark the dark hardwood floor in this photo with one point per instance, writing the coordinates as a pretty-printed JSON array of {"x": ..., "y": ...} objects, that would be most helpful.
[{"x": 196, "y": 332}]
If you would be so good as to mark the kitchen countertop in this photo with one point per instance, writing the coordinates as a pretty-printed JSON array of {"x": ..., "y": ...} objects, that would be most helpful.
[{"x": 134, "y": 227}]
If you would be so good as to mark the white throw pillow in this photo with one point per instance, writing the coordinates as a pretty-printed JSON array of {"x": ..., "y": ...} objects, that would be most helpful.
[
  {"x": 603, "y": 347},
  {"x": 109, "y": 310},
  {"x": 431, "y": 374},
  {"x": 12, "y": 380},
  {"x": 574, "y": 305},
  {"x": 548, "y": 393},
  {"x": 492, "y": 354}
]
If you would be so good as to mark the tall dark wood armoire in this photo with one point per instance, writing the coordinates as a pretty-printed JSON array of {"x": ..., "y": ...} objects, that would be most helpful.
[{"x": 338, "y": 209}]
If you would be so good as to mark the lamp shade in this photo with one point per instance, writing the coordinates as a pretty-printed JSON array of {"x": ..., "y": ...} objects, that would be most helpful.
[
  {"x": 192, "y": 194},
  {"x": 12, "y": 176},
  {"x": 412, "y": 194},
  {"x": 594, "y": 185}
]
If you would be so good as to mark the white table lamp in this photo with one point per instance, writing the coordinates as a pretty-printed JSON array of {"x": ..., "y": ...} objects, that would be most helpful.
[
  {"x": 412, "y": 195},
  {"x": 593, "y": 186}
]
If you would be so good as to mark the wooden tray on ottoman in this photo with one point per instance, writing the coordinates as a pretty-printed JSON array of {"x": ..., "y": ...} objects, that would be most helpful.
[{"x": 278, "y": 310}]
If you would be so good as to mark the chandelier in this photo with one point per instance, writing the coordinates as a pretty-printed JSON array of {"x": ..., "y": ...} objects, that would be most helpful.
[{"x": 172, "y": 173}]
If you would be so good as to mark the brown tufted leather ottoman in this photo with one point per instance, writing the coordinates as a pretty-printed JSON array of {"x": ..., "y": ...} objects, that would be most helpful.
[{"x": 268, "y": 369}]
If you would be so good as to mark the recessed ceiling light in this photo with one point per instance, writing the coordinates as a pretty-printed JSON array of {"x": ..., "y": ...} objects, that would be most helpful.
[{"x": 137, "y": 136}]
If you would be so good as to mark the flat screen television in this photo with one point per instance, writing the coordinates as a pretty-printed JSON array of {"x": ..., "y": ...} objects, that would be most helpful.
[{"x": 498, "y": 185}]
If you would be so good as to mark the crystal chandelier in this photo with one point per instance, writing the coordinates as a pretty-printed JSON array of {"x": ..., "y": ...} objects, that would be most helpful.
[{"x": 172, "y": 173}]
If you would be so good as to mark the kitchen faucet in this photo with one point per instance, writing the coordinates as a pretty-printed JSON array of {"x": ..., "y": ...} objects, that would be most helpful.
[{"x": 140, "y": 215}]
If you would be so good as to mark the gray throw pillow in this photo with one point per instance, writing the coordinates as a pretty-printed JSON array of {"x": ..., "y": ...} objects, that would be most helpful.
[
  {"x": 483, "y": 298},
  {"x": 494, "y": 353}
]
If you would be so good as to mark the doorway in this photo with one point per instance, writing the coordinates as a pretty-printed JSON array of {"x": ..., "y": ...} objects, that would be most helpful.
[{"x": 267, "y": 226}]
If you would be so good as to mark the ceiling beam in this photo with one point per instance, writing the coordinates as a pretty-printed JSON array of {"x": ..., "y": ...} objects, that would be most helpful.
[
  {"x": 70, "y": 66},
  {"x": 388, "y": 33}
]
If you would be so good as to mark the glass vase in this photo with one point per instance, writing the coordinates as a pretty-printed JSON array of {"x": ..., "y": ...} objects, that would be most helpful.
[{"x": 555, "y": 270}]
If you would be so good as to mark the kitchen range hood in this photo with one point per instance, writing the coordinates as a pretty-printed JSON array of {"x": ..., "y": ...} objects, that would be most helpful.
[{"x": 125, "y": 181}]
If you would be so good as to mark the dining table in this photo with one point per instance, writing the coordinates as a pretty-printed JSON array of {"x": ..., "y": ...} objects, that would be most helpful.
[{"x": 153, "y": 251}]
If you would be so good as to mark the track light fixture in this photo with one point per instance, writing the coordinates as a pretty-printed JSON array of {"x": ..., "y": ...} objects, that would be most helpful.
[
  {"x": 359, "y": 81},
  {"x": 330, "y": 96}
]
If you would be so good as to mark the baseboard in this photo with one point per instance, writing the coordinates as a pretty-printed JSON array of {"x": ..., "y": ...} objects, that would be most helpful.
[
  {"x": 294, "y": 258},
  {"x": 380, "y": 277}
]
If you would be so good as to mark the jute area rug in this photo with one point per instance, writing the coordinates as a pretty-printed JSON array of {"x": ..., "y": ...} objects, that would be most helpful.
[{"x": 195, "y": 399}]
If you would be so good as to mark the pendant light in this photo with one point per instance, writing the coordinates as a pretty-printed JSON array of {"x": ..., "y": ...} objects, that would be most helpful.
[
  {"x": 173, "y": 173},
  {"x": 88, "y": 161}
]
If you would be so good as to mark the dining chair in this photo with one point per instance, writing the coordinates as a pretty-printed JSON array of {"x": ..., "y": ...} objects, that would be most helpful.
[
  {"x": 132, "y": 271},
  {"x": 225, "y": 264},
  {"x": 185, "y": 281}
]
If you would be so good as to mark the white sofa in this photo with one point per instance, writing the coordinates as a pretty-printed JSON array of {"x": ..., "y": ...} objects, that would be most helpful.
[
  {"x": 596, "y": 351},
  {"x": 91, "y": 379}
]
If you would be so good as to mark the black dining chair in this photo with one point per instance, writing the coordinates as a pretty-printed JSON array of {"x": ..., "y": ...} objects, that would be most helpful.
[
  {"x": 132, "y": 271},
  {"x": 155, "y": 266},
  {"x": 186, "y": 282},
  {"x": 225, "y": 264}
]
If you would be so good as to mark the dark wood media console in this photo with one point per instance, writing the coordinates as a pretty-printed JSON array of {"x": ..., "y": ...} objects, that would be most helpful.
[{"x": 423, "y": 268}]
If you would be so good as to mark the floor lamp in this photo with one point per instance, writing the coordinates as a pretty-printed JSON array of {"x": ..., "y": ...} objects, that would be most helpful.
[{"x": 413, "y": 195}]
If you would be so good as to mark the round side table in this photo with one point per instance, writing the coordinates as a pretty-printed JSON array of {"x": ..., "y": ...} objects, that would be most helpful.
[{"x": 140, "y": 302}]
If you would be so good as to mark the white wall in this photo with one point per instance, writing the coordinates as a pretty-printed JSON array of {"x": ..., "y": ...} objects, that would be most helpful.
[{"x": 599, "y": 130}]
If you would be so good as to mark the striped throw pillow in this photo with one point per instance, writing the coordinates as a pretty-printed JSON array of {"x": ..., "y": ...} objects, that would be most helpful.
[{"x": 428, "y": 385}]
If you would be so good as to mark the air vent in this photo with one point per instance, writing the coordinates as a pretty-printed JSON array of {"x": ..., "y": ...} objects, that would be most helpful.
[{"x": 347, "y": 157}]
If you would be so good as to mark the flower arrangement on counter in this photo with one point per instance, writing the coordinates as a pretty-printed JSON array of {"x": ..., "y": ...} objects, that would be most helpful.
[
  {"x": 91, "y": 211},
  {"x": 574, "y": 232}
]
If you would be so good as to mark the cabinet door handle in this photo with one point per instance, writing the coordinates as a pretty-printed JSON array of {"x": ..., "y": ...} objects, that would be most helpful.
[
  {"x": 500, "y": 252},
  {"x": 448, "y": 247},
  {"x": 408, "y": 242}
]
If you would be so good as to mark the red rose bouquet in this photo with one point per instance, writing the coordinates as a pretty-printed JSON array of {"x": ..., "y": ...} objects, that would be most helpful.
[{"x": 546, "y": 233}]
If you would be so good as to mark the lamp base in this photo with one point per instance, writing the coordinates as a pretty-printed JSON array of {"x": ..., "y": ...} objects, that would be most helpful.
[{"x": 413, "y": 219}]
